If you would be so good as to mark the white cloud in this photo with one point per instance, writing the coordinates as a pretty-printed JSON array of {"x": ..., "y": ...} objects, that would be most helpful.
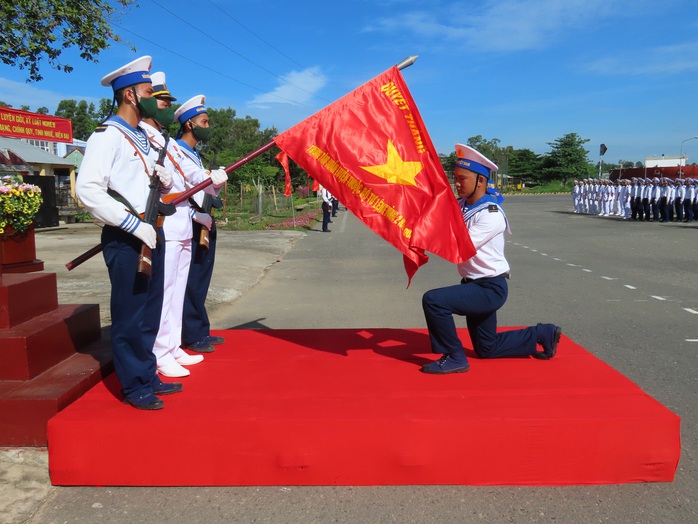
[
  {"x": 664, "y": 60},
  {"x": 296, "y": 88},
  {"x": 502, "y": 25}
]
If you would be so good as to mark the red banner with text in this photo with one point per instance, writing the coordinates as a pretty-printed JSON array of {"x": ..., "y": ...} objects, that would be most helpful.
[{"x": 23, "y": 124}]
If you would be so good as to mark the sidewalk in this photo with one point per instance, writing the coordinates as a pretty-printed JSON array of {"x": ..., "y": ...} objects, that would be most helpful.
[{"x": 242, "y": 260}]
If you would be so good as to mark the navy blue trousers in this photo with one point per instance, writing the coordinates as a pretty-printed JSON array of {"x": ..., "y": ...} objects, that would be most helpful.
[
  {"x": 136, "y": 305},
  {"x": 478, "y": 301},
  {"x": 195, "y": 323},
  {"x": 325, "y": 216}
]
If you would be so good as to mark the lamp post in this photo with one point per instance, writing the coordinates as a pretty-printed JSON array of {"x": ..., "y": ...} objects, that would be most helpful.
[{"x": 681, "y": 154}]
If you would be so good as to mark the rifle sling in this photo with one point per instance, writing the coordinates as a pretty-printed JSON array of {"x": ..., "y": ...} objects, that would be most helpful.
[{"x": 122, "y": 199}]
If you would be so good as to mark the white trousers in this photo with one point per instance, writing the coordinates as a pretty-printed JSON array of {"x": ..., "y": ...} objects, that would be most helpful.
[{"x": 177, "y": 262}]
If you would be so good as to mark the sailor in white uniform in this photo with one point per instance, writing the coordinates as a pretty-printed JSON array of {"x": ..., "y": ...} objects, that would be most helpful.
[
  {"x": 196, "y": 326},
  {"x": 171, "y": 358},
  {"x": 113, "y": 185},
  {"x": 483, "y": 288}
]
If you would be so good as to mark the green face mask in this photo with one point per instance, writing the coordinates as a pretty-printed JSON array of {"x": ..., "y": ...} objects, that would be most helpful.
[
  {"x": 202, "y": 134},
  {"x": 165, "y": 116},
  {"x": 147, "y": 107}
]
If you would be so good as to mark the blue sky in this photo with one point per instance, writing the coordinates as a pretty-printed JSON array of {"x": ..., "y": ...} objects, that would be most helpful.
[{"x": 619, "y": 72}]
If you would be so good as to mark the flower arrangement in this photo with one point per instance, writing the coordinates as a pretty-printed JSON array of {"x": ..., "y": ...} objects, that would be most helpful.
[{"x": 19, "y": 203}]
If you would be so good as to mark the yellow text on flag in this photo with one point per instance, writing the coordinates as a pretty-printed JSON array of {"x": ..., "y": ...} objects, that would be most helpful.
[
  {"x": 366, "y": 194},
  {"x": 393, "y": 93}
]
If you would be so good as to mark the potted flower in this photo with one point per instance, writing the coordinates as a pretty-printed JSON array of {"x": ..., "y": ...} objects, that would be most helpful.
[{"x": 19, "y": 204}]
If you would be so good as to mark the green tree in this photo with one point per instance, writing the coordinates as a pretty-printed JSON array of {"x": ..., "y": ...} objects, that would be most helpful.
[
  {"x": 82, "y": 114},
  {"x": 234, "y": 138},
  {"x": 3, "y": 104},
  {"x": 489, "y": 148},
  {"x": 524, "y": 163},
  {"x": 567, "y": 159},
  {"x": 35, "y": 30},
  {"x": 42, "y": 110},
  {"x": 448, "y": 162},
  {"x": 105, "y": 105}
]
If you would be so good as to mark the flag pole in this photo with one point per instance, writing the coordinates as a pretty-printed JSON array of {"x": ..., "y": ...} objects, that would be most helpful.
[{"x": 405, "y": 63}]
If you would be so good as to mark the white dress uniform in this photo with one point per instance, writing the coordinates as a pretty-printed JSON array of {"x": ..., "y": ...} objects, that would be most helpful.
[
  {"x": 585, "y": 196},
  {"x": 486, "y": 230},
  {"x": 177, "y": 231},
  {"x": 576, "y": 196},
  {"x": 120, "y": 158},
  {"x": 116, "y": 147},
  {"x": 178, "y": 236},
  {"x": 482, "y": 291},
  {"x": 625, "y": 198},
  {"x": 595, "y": 195}
]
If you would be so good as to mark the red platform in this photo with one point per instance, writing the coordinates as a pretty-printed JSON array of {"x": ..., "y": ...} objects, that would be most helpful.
[
  {"x": 349, "y": 407},
  {"x": 50, "y": 353}
]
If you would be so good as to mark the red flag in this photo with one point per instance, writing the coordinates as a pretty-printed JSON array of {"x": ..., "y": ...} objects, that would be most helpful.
[
  {"x": 371, "y": 150},
  {"x": 283, "y": 160},
  {"x": 316, "y": 185}
]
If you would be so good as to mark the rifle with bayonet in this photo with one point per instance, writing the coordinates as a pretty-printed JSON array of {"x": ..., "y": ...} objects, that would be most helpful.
[{"x": 209, "y": 202}]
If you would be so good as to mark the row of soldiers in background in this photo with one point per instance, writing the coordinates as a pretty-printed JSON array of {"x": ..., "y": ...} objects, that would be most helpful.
[{"x": 649, "y": 200}]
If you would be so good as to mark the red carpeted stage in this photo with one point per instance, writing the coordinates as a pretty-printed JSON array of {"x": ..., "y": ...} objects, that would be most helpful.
[{"x": 350, "y": 407}]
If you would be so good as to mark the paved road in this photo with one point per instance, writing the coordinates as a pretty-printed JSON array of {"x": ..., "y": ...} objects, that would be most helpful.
[{"x": 626, "y": 291}]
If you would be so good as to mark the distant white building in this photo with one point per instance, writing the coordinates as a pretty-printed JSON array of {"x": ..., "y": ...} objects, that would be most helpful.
[
  {"x": 665, "y": 161},
  {"x": 61, "y": 149}
]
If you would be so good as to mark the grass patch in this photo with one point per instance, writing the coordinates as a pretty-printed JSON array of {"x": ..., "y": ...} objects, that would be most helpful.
[
  {"x": 279, "y": 220},
  {"x": 548, "y": 187}
]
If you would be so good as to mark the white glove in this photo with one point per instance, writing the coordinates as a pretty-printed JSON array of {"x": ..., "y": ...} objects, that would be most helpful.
[
  {"x": 219, "y": 177},
  {"x": 146, "y": 233},
  {"x": 204, "y": 219},
  {"x": 164, "y": 175}
]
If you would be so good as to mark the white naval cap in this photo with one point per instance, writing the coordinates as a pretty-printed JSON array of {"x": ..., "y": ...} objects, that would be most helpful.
[
  {"x": 469, "y": 158},
  {"x": 136, "y": 72},
  {"x": 160, "y": 88},
  {"x": 189, "y": 109}
]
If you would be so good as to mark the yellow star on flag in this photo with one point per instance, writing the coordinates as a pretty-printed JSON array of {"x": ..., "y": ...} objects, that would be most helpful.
[{"x": 396, "y": 170}]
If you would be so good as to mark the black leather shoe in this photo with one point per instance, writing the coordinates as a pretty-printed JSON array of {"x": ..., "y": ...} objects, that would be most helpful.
[
  {"x": 549, "y": 338},
  {"x": 147, "y": 401},
  {"x": 445, "y": 365},
  {"x": 167, "y": 388},
  {"x": 214, "y": 341},
  {"x": 202, "y": 346}
]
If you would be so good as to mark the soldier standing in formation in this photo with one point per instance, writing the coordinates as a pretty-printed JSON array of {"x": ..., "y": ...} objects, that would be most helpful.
[
  {"x": 113, "y": 185},
  {"x": 640, "y": 199}
]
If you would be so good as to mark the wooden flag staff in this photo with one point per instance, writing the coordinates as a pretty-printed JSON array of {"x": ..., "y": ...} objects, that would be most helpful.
[{"x": 202, "y": 185}]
